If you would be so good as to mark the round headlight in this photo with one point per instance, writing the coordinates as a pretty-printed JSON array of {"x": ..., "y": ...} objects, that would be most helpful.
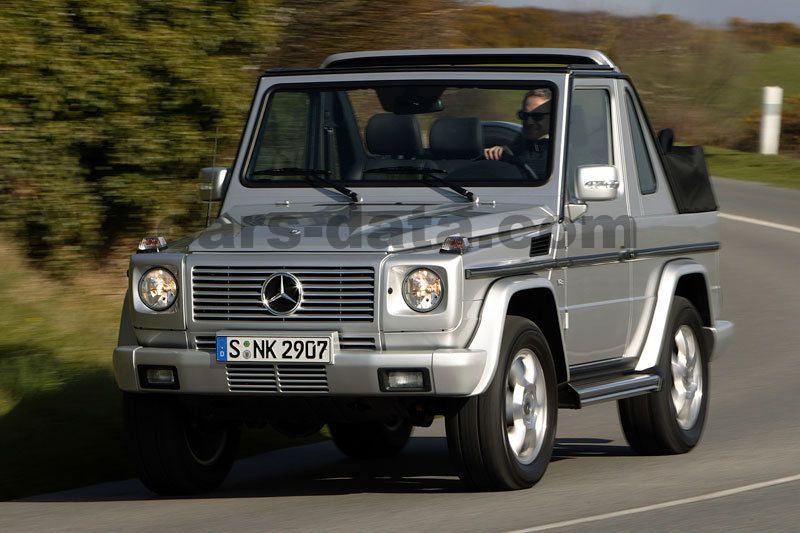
[
  {"x": 423, "y": 290},
  {"x": 158, "y": 289}
]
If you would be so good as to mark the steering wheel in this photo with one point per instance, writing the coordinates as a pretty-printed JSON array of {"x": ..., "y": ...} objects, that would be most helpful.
[{"x": 509, "y": 157}]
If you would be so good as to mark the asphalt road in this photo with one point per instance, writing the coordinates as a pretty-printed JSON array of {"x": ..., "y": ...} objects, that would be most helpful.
[{"x": 751, "y": 438}]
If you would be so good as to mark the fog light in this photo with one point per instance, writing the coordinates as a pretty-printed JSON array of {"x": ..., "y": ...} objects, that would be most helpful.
[
  {"x": 405, "y": 380},
  {"x": 411, "y": 380},
  {"x": 158, "y": 377}
]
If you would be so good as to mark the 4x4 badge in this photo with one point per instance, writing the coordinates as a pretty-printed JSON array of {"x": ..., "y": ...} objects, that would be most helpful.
[{"x": 282, "y": 293}]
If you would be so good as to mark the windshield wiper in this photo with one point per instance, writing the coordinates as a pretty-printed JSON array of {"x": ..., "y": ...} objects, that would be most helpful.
[
  {"x": 310, "y": 173},
  {"x": 430, "y": 173}
]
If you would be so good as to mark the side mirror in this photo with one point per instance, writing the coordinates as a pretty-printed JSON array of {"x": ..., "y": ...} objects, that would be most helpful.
[
  {"x": 666, "y": 138},
  {"x": 212, "y": 181},
  {"x": 596, "y": 183}
]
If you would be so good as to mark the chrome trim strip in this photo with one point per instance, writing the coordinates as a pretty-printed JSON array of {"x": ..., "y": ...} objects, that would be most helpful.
[
  {"x": 676, "y": 250},
  {"x": 586, "y": 260},
  {"x": 533, "y": 266}
]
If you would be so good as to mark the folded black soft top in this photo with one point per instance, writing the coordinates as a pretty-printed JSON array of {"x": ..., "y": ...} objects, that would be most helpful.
[{"x": 688, "y": 179}]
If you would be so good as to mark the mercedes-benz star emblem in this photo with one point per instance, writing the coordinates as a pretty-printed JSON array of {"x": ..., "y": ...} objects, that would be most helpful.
[{"x": 282, "y": 293}]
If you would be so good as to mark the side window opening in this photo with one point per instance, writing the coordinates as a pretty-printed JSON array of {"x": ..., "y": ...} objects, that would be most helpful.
[
  {"x": 644, "y": 166},
  {"x": 590, "y": 138}
]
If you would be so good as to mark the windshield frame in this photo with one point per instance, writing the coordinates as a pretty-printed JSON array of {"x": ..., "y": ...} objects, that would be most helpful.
[{"x": 249, "y": 149}]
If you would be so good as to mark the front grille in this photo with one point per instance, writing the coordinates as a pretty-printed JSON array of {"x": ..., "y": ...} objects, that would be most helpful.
[
  {"x": 280, "y": 378},
  {"x": 330, "y": 294},
  {"x": 209, "y": 343}
]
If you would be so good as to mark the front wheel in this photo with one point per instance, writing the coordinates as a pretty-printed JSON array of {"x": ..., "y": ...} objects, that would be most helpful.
[
  {"x": 503, "y": 439},
  {"x": 177, "y": 451},
  {"x": 671, "y": 420}
]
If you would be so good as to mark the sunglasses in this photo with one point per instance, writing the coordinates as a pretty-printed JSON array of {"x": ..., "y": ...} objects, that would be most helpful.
[{"x": 532, "y": 115}]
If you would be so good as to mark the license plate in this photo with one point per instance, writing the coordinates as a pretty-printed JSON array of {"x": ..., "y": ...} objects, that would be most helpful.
[{"x": 274, "y": 349}]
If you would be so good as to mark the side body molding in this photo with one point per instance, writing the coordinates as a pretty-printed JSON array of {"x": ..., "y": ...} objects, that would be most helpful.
[
  {"x": 489, "y": 334},
  {"x": 671, "y": 275}
]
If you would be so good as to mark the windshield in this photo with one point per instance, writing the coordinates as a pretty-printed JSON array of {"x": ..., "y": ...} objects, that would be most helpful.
[{"x": 401, "y": 135}]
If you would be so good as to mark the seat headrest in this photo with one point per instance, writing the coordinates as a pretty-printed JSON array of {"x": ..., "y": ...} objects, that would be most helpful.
[
  {"x": 456, "y": 138},
  {"x": 393, "y": 135}
]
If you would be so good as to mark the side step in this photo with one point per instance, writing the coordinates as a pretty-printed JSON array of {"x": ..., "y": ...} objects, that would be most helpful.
[{"x": 579, "y": 394}]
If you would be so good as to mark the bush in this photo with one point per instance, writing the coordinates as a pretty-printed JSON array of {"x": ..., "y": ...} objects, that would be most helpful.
[
  {"x": 108, "y": 108},
  {"x": 790, "y": 129},
  {"x": 765, "y": 36},
  {"x": 790, "y": 126}
]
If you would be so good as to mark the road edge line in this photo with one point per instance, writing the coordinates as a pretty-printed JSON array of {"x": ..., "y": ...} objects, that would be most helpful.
[
  {"x": 664, "y": 505},
  {"x": 758, "y": 222}
]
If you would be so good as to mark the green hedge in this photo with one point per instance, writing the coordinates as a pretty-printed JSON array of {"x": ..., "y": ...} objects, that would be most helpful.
[{"x": 109, "y": 107}]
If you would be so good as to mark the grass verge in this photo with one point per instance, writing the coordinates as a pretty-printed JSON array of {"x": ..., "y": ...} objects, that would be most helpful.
[
  {"x": 770, "y": 169},
  {"x": 60, "y": 410}
]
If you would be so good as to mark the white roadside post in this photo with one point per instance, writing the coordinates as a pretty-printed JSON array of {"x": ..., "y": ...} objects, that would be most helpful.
[{"x": 771, "y": 120}]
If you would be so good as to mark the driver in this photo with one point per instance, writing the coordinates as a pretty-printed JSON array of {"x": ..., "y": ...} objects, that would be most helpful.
[{"x": 530, "y": 148}]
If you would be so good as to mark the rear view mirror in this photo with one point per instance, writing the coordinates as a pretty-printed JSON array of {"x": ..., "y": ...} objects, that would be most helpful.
[
  {"x": 411, "y": 100},
  {"x": 212, "y": 181},
  {"x": 596, "y": 183}
]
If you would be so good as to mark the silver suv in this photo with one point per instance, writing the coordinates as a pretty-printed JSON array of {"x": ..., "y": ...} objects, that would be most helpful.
[{"x": 484, "y": 235}]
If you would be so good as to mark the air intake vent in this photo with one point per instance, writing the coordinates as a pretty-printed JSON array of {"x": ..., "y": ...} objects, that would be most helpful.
[
  {"x": 540, "y": 245},
  {"x": 280, "y": 378},
  {"x": 357, "y": 343}
]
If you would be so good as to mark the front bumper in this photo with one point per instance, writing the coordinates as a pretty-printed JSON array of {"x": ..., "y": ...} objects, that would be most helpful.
[{"x": 453, "y": 372}]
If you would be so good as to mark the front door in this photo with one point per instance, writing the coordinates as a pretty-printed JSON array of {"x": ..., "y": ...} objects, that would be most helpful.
[{"x": 598, "y": 306}]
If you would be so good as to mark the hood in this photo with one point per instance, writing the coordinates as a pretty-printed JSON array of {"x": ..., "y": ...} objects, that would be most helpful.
[{"x": 360, "y": 227}]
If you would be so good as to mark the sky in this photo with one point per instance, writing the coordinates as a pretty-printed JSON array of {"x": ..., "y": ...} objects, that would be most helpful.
[{"x": 715, "y": 12}]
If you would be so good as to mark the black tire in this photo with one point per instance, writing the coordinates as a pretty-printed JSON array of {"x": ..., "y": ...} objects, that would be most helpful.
[
  {"x": 370, "y": 440},
  {"x": 650, "y": 422},
  {"x": 175, "y": 452},
  {"x": 477, "y": 432}
]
